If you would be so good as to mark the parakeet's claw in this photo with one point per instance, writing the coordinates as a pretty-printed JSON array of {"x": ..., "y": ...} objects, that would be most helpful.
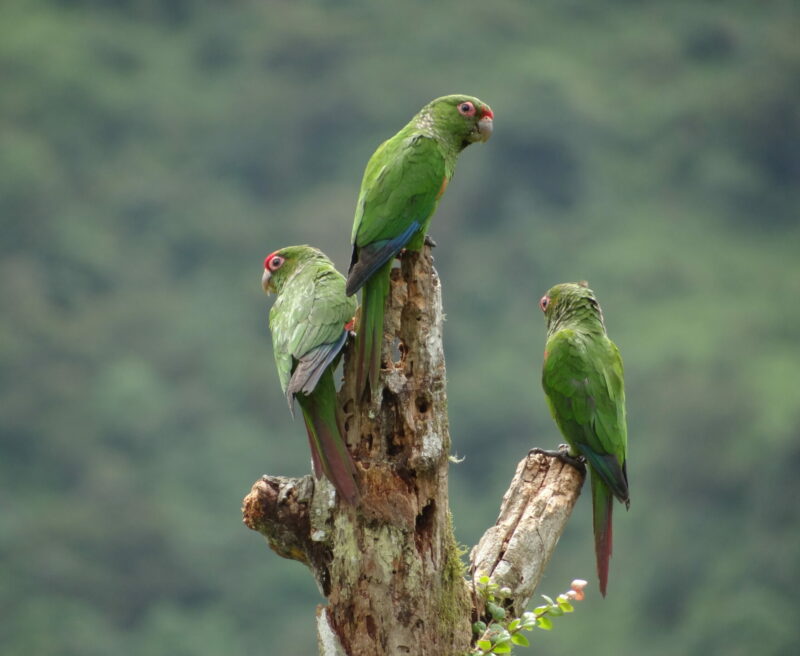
[
  {"x": 430, "y": 242},
  {"x": 562, "y": 453}
]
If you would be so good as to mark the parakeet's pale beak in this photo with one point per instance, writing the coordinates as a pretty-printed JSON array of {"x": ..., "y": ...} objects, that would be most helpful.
[
  {"x": 486, "y": 125},
  {"x": 265, "y": 280}
]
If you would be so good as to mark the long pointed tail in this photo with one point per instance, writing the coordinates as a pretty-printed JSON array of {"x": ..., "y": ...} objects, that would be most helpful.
[
  {"x": 602, "y": 504},
  {"x": 328, "y": 449},
  {"x": 369, "y": 338}
]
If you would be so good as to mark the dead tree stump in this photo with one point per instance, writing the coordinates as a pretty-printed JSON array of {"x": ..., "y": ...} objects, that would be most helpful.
[{"x": 390, "y": 568}]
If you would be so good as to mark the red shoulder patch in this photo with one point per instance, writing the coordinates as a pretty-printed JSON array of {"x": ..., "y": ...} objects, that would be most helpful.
[{"x": 442, "y": 188}]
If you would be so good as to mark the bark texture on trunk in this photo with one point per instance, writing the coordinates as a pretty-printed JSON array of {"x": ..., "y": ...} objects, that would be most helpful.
[
  {"x": 391, "y": 568},
  {"x": 516, "y": 550}
]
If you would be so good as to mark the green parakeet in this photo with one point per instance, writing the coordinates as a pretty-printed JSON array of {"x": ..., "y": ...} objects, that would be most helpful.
[
  {"x": 583, "y": 380},
  {"x": 310, "y": 321},
  {"x": 402, "y": 185}
]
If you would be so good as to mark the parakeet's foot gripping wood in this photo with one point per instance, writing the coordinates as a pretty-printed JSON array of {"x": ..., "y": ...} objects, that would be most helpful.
[{"x": 562, "y": 453}]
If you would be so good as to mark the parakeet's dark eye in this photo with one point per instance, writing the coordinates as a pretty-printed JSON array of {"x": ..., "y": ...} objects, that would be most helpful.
[
  {"x": 544, "y": 302},
  {"x": 466, "y": 109},
  {"x": 273, "y": 262}
]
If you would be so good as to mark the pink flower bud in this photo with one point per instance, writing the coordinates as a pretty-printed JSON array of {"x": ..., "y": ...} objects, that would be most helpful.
[{"x": 577, "y": 587}]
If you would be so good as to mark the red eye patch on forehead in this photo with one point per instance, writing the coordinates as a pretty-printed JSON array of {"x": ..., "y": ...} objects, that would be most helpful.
[{"x": 273, "y": 261}]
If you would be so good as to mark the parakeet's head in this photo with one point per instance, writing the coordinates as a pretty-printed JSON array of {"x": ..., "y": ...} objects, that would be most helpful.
[
  {"x": 570, "y": 302},
  {"x": 464, "y": 119},
  {"x": 280, "y": 265}
]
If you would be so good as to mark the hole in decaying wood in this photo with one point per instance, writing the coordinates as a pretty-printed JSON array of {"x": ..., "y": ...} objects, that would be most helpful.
[
  {"x": 423, "y": 529},
  {"x": 371, "y": 626},
  {"x": 368, "y": 441},
  {"x": 397, "y": 350},
  {"x": 394, "y": 444},
  {"x": 410, "y": 368},
  {"x": 390, "y": 407},
  {"x": 409, "y": 477},
  {"x": 325, "y": 580},
  {"x": 423, "y": 403}
]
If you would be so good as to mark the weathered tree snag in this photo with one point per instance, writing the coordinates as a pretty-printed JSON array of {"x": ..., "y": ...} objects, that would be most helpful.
[
  {"x": 516, "y": 550},
  {"x": 390, "y": 567}
]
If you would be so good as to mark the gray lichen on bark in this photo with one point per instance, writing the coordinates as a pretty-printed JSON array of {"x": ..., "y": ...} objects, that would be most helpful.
[{"x": 391, "y": 568}]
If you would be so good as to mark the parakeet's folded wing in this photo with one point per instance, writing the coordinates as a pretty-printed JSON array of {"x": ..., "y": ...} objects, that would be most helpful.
[
  {"x": 308, "y": 324},
  {"x": 401, "y": 186},
  {"x": 583, "y": 381}
]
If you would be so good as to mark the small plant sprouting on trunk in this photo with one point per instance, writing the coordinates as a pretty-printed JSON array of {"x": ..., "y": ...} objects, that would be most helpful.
[{"x": 497, "y": 633}]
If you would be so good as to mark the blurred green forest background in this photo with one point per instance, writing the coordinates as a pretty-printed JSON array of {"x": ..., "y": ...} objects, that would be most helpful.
[{"x": 152, "y": 152}]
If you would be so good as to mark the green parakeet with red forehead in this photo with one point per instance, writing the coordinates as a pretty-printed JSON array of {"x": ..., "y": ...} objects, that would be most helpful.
[
  {"x": 402, "y": 185},
  {"x": 583, "y": 380},
  {"x": 310, "y": 321}
]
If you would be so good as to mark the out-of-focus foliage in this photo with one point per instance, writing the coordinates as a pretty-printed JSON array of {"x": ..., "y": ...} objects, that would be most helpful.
[{"x": 153, "y": 151}]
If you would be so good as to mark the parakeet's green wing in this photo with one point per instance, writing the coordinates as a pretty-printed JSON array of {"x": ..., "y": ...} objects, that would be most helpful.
[
  {"x": 313, "y": 315},
  {"x": 401, "y": 185},
  {"x": 583, "y": 381}
]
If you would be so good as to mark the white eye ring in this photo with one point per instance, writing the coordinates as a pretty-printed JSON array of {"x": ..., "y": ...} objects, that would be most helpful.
[
  {"x": 274, "y": 262},
  {"x": 467, "y": 109}
]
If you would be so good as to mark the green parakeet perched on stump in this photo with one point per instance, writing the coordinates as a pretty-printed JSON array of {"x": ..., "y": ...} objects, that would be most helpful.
[
  {"x": 310, "y": 321},
  {"x": 583, "y": 380},
  {"x": 402, "y": 185}
]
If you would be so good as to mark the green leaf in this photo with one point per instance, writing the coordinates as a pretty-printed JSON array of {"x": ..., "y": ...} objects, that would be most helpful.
[
  {"x": 502, "y": 638},
  {"x": 556, "y": 611},
  {"x": 545, "y": 623},
  {"x": 484, "y": 579},
  {"x": 548, "y": 600},
  {"x": 528, "y": 620},
  {"x": 497, "y": 612},
  {"x": 520, "y": 639},
  {"x": 513, "y": 624},
  {"x": 541, "y": 609},
  {"x": 484, "y": 644},
  {"x": 566, "y": 606},
  {"x": 478, "y": 627},
  {"x": 502, "y": 649}
]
